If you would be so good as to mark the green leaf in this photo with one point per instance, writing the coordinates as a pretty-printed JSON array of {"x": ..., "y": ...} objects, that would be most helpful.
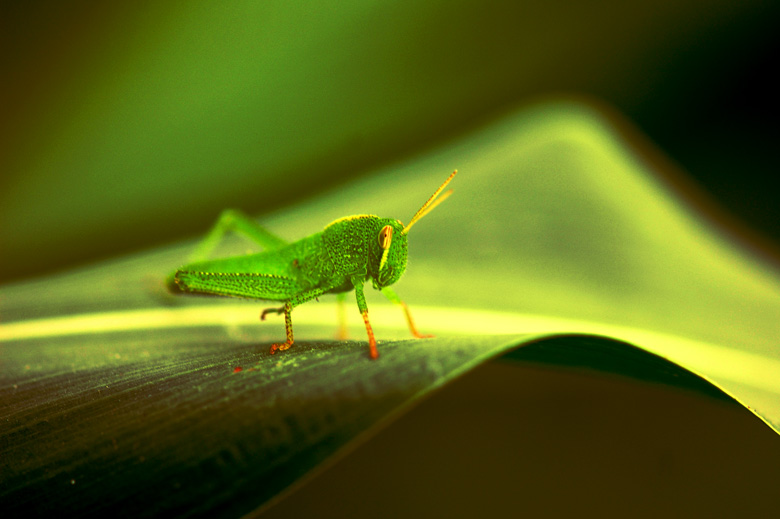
[{"x": 150, "y": 422}]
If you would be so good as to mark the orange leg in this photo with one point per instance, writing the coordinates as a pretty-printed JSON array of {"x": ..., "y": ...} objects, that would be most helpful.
[
  {"x": 393, "y": 298},
  {"x": 371, "y": 341},
  {"x": 410, "y": 322},
  {"x": 297, "y": 299},
  {"x": 287, "y": 309},
  {"x": 361, "y": 301}
]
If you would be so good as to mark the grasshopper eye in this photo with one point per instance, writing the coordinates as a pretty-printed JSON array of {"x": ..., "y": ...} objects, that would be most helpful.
[{"x": 385, "y": 237}]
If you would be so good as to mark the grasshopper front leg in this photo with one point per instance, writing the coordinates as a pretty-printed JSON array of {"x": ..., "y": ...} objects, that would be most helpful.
[
  {"x": 393, "y": 298},
  {"x": 361, "y": 301}
]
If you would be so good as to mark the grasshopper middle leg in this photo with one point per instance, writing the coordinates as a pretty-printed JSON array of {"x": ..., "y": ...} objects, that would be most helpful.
[
  {"x": 298, "y": 299},
  {"x": 287, "y": 309}
]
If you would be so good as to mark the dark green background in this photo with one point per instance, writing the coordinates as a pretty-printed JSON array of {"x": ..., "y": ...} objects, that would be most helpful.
[{"x": 130, "y": 125}]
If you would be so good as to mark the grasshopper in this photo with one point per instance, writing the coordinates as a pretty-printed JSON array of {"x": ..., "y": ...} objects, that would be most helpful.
[{"x": 340, "y": 258}]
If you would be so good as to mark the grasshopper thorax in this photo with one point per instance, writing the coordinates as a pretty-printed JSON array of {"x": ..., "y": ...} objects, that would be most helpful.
[{"x": 368, "y": 246}]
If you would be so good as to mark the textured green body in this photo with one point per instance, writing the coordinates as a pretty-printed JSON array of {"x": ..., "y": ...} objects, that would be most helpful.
[
  {"x": 340, "y": 258},
  {"x": 330, "y": 261}
]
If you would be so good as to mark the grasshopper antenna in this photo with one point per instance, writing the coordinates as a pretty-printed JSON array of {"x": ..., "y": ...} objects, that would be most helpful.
[{"x": 431, "y": 204}]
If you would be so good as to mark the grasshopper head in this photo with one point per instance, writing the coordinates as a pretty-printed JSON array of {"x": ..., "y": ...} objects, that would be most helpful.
[
  {"x": 393, "y": 242},
  {"x": 391, "y": 254}
]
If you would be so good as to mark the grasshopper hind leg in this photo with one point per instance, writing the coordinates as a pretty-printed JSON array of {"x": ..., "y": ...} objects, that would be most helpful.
[{"x": 230, "y": 220}]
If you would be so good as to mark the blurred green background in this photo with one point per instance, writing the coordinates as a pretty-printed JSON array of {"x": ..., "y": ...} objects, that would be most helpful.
[{"x": 128, "y": 125}]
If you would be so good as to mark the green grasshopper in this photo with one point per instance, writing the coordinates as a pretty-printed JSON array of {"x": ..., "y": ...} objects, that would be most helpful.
[{"x": 340, "y": 258}]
